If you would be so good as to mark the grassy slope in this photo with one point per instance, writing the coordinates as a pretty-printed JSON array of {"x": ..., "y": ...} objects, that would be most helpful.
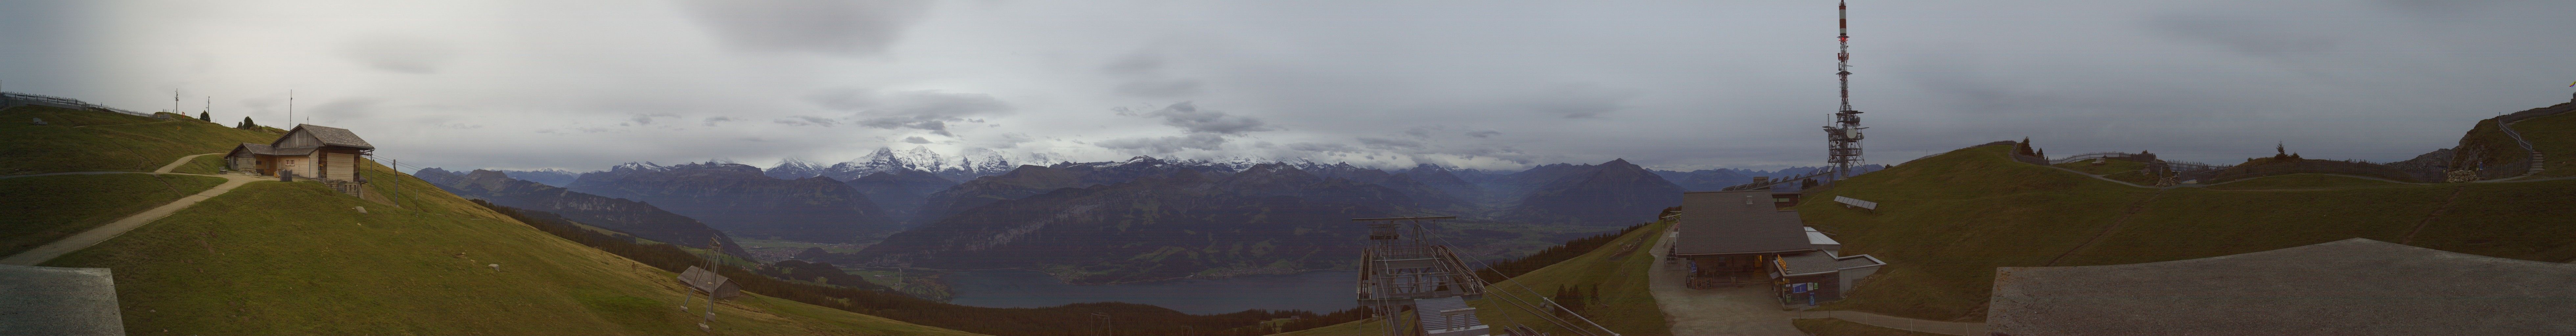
[
  {"x": 107, "y": 141},
  {"x": 1946, "y": 221},
  {"x": 2555, "y": 137},
  {"x": 294, "y": 258},
  {"x": 1628, "y": 307},
  {"x": 2303, "y": 181},
  {"x": 2123, "y": 170},
  {"x": 208, "y": 165},
  {"x": 1839, "y": 327},
  {"x": 41, "y": 209}
]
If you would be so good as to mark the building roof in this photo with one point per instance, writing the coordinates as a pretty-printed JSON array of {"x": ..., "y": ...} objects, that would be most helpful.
[
  {"x": 1820, "y": 262},
  {"x": 2347, "y": 287},
  {"x": 1428, "y": 311},
  {"x": 266, "y": 150},
  {"x": 332, "y": 136},
  {"x": 1821, "y": 241},
  {"x": 1737, "y": 222},
  {"x": 58, "y": 301}
]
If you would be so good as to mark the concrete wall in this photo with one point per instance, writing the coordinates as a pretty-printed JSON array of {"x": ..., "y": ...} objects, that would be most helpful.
[{"x": 1853, "y": 276}]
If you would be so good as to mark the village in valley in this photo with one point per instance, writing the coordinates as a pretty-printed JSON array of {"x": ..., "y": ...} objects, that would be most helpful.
[{"x": 116, "y": 221}]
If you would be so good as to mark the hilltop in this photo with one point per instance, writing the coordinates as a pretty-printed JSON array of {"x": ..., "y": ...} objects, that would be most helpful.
[
  {"x": 299, "y": 258},
  {"x": 1946, "y": 221}
]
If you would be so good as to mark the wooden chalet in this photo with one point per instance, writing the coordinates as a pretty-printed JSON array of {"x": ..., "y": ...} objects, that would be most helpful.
[
  {"x": 1738, "y": 238},
  {"x": 327, "y": 154}
]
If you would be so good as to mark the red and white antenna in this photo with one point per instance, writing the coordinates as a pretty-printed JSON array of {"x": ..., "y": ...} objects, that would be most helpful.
[{"x": 1842, "y": 134}]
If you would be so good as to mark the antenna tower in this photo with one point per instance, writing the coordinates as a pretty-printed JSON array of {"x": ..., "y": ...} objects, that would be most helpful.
[{"x": 1842, "y": 133}]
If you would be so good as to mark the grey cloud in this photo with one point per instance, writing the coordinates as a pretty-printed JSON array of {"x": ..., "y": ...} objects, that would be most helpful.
[
  {"x": 832, "y": 27},
  {"x": 1189, "y": 117},
  {"x": 807, "y": 121},
  {"x": 1165, "y": 145},
  {"x": 400, "y": 53},
  {"x": 923, "y": 110},
  {"x": 1011, "y": 140},
  {"x": 647, "y": 119},
  {"x": 2253, "y": 36},
  {"x": 1385, "y": 143},
  {"x": 1418, "y": 132},
  {"x": 1136, "y": 64},
  {"x": 345, "y": 109},
  {"x": 711, "y": 121},
  {"x": 915, "y": 139},
  {"x": 1484, "y": 133},
  {"x": 1176, "y": 88},
  {"x": 1322, "y": 147},
  {"x": 1574, "y": 101}
]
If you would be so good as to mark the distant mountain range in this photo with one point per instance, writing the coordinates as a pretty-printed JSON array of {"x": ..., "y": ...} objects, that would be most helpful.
[
  {"x": 1166, "y": 223},
  {"x": 972, "y": 163},
  {"x": 739, "y": 199},
  {"x": 1714, "y": 179},
  {"x": 552, "y": 177},
  {"x": 615, "y": 214},
  {"x": 1136, "y": 219}
]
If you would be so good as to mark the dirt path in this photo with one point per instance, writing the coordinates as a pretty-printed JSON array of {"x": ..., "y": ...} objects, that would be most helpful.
[
  {"x": 1747, "y": 310},
  {"x": 183, "y": 160},
  {"x": 165, "y": 169},
  {"x": 102, "y": 233},
  {"x": 2437, "y": 214}
]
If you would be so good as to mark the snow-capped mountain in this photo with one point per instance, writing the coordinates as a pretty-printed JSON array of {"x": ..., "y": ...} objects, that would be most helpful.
[
  {"x": 795, "y": 168},
  {"x": 922, "y": 159},
  {"x": 983, "y": 160},
  {"x": 968, "y": 165}
]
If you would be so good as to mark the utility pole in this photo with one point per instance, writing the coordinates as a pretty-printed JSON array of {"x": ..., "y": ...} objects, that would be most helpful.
[{"x": 711, "y": 268}]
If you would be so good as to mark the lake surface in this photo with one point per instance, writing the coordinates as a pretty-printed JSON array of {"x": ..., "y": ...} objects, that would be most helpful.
[{"x": 1318, "y": 291}]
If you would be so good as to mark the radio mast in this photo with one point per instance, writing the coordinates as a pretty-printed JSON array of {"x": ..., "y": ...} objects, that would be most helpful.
[{"x": 1842, "y": 133}]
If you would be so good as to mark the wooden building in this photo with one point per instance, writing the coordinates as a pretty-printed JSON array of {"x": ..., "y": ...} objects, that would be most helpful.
[
  {"x": 1739, "y": 238},
  {"x": 327, "y": 154}
]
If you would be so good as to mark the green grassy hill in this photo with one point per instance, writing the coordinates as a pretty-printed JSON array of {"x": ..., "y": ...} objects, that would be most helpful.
[
  {"x": 2555, "y": 137},
  {"x": 80, "y": 140},
  {"x": 1945, "y": 222},
  {"x": 295, "y": 258},
  {"x": 1625, "y": 305},
  {"x": 39, "y": 209}
]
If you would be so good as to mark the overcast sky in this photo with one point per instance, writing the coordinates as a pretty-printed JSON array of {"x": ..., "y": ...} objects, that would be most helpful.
[{"x": 1481, "y": 84}]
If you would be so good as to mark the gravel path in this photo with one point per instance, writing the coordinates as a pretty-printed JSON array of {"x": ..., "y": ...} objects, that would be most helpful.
[{"x": 104, "y": 232}]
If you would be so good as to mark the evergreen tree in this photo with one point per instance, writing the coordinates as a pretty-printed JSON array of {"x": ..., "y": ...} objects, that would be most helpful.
[
  {"x": 246, "y": 124},
  {"x": 202, "y": 116}
]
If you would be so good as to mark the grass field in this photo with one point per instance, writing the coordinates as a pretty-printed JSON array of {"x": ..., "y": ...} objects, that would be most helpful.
[
  {"x": 2304, "y": 181},
  {"x": 1839, "y": 327},
  {"x": 1946, "y": 221},
  {"x": 274, "y": 258},
  {"x": 80, "y": 140},
  {"x": 2555, "y": 137},
  {"x": 203, "y": 165},
  {"x": 40, "y": 209},
  {"x": 294, "y": 258},
  {"x": 1626, "y": 305}
]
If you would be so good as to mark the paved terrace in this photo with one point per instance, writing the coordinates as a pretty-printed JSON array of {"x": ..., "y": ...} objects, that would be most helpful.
[{"x": 2347, "y": 287}]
